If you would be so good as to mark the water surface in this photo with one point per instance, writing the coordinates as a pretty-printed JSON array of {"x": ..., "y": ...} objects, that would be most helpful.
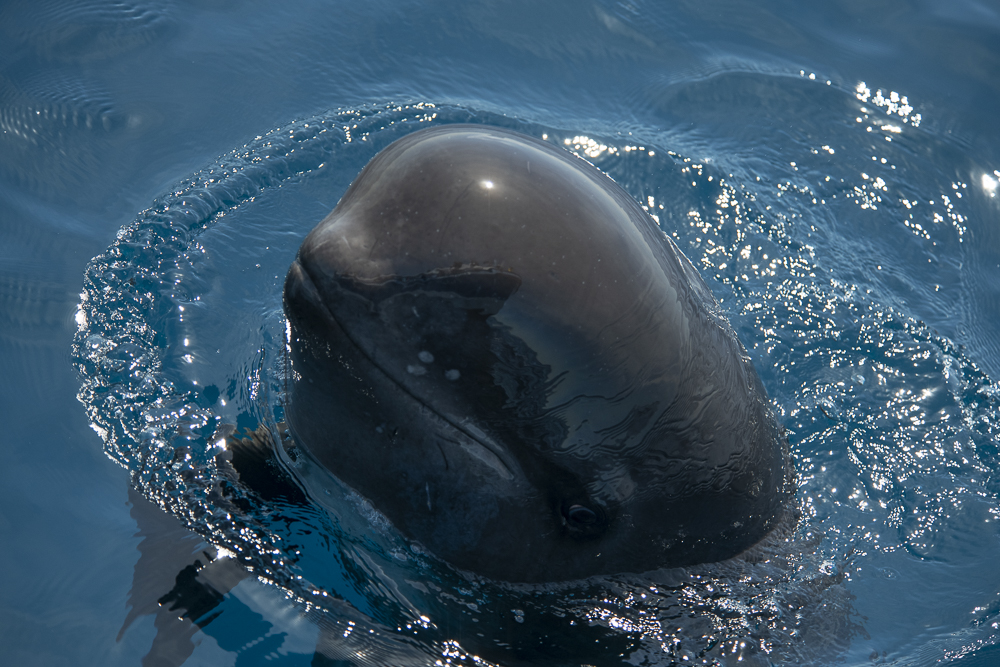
[{"x": 830, "y": 170}]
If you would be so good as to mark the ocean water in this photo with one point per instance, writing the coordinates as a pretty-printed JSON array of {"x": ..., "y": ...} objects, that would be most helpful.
[{"x": 831, "y": 169}]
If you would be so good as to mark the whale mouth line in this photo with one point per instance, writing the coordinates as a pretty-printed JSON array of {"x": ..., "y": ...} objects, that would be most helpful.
[{"x": 306, "y": 281}]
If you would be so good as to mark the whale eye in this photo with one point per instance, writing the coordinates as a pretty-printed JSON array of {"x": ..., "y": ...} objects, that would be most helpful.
[{"x": 581, "y": 516}]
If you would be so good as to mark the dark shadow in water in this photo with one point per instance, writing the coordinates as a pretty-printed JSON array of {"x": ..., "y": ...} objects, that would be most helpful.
[{"x": 179, "y": 579}]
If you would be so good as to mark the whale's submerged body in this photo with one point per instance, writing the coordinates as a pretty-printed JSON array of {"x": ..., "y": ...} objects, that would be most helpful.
[{"x": 493, "y": 343}]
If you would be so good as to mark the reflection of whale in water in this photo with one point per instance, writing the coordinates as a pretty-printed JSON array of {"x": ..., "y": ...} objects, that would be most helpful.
[
  {"x": 190, "y": 587},
  {"x": 492, "y": 342}
]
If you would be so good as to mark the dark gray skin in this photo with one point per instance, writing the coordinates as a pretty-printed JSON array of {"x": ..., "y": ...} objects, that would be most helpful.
[{"x": 492, "y": 342}]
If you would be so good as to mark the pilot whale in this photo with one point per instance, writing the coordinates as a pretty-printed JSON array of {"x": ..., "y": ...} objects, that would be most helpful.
[{"x": 496, "y": 346}]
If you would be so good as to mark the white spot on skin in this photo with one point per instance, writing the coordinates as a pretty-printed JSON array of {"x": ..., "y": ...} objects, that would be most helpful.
[
  {"x": 452, "y": 374},
  {"x": 416, "y": 369},
  {"x": 425, "y": 357}
]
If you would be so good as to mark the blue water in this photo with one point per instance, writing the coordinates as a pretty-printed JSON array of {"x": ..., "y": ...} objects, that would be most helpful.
[{"x": 830, "y": 169}]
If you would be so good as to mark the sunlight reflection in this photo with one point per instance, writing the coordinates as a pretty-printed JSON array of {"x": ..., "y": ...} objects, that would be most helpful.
[
  {"x": 893, "y": 104},
  {"x": 990, "y": 184}
]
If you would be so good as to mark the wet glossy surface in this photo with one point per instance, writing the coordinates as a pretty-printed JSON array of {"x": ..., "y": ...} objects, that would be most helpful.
[
  {"x": 849, "y": 230},
  {"x": 569, "y": 355}
]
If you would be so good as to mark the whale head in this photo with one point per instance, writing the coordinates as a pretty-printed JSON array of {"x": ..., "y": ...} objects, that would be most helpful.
[{"x": 495, "y": 345}]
